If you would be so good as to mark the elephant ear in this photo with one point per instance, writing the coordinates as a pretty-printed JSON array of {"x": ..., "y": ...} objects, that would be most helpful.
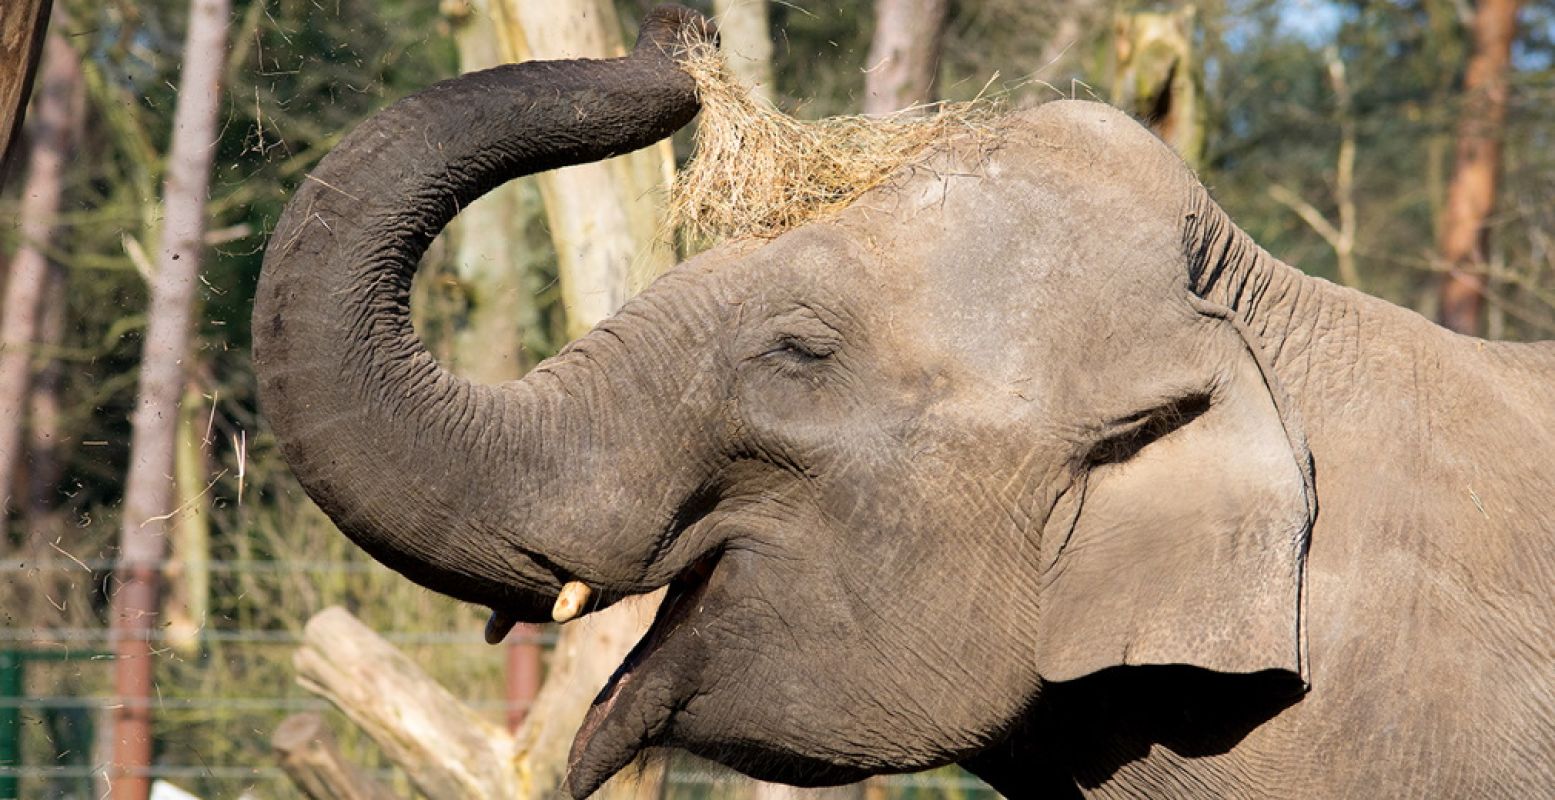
[{"x": 1183, "y": 538}]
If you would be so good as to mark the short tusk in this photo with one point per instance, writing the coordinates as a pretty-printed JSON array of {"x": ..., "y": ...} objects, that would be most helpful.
[{"x": 570, "y": 602}]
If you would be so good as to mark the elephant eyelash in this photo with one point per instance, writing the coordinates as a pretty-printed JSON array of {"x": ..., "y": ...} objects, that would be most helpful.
[
  {"x": 1136, "y": 431},
  {"x": 800, "y": 350}
]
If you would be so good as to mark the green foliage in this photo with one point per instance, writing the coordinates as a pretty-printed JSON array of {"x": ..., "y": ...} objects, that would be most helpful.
[
  {"x": 302, "y": 72},
  {"x": 1275, "y": 121}
]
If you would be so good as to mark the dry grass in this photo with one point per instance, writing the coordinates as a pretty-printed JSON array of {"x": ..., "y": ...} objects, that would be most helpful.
[{"x": 757, "y": 172}]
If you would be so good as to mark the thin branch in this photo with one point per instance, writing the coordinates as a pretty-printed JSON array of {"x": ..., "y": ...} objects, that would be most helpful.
[{"x": 1308, "y": 213}]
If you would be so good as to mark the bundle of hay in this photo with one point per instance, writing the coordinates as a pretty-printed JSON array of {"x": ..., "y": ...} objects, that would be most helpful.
[{"x": 759, "y": 172}]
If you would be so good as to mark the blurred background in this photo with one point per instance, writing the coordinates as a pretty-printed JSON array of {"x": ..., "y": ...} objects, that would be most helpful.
[{"x": 159, "y": 567}]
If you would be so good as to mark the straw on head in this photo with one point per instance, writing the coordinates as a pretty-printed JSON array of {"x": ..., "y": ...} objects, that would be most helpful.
[{"x": 757, "y": 172}]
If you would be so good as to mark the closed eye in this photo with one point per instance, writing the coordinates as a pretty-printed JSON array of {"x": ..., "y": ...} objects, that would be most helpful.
[
  {"x": 800, "y": 349},
  {"x": 1132, "y": 433}
]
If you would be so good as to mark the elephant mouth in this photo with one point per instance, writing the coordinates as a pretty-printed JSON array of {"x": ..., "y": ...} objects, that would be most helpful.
[{"x": 635, "y": 707}]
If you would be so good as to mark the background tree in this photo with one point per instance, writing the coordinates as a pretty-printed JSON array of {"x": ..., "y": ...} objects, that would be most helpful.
[
  {"x": 604, "y": 221},
  {"x": 149, "y": 491},
  {"x": 498, "y": 332},
  {"x": 56, "y": 121},
  {"x": 1341, "y": 236},
  {"x": 746, "y": 42},
  {"x": 1157, "y": 76},
  {"x": 299, "y": 74},
  {"x": 1477, "y": 164},
  {"x": 904, "y": 54}
]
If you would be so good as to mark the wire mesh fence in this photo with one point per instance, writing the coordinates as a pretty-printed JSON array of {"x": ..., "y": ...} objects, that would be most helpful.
[{"x": 222, "y": 691}]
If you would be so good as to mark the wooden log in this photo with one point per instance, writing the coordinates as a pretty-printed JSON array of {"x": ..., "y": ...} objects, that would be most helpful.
[
  {"x": 446, "y": 748},
  {"x": 310, "y": 756}
]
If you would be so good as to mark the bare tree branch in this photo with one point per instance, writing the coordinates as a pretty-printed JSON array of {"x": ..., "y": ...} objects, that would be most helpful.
[{"x": 1340, "y": 237}]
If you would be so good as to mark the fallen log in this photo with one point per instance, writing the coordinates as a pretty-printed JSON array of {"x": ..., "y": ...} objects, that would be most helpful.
[
  {"x": 445, "y": 747},
  {"x": 310, "y": 756}
]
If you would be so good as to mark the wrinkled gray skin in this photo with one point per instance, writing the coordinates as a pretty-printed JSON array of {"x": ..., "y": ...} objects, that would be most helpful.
[{"x": 1029, "y": 460}]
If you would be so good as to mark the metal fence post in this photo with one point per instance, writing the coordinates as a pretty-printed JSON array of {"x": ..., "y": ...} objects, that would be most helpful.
[{"x": 10, "y": 723}]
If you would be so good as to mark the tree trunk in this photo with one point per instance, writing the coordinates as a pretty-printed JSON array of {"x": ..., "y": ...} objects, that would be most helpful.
[
  {"x": 1158, "y": 80},
  {"x": 605, "y": 220},
  {"x": 493, "y": 263},
  {"x": 1472, "y": 193},
  {"x": 22, "y": 27},
  {"x": 45, "y": 464},
  {"x": 746, "y": 42},
  {"x": 1074, "y": 20},
  {"x": 149, "y": 487},
  {"x": 188, "y": 567},
  {"x": 605, "y": 217},
  {"x": 56, "y": 120},
  {"x": 904, "y": 54}
]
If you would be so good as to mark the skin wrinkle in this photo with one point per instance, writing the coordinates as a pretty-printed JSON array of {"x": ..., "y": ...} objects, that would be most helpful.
[
  {"x": 1358, "y": 357},
  {"x": 884, "y": 598},
  {"x": 353, "y": 232}
]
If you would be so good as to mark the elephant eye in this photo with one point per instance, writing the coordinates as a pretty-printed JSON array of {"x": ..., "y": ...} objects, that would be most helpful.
[
  {"x": 798, "y": 349},
  {"x": 1131, "y": 434}
]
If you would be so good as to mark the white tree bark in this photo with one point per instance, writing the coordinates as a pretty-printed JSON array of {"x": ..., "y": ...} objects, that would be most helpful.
[
  {"x": 447, "y": 749},
  {"x": 149, "y": 487},
  {"x": 308, "y": 753},
  {"x": 605, "y": 221},
  {"x": 492, "y": 263},
  {"x": 747, "y": 43},
  {"x": 605, "y": 217},
  {"x": 904, "y": 54}
]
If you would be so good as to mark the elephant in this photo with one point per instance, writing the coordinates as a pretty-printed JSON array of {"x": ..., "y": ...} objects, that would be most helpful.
[{"x": 1028, "y": 460}]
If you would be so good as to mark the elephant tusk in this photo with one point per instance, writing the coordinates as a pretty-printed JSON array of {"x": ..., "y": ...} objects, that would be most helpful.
[{"x": 570, "y": 601}]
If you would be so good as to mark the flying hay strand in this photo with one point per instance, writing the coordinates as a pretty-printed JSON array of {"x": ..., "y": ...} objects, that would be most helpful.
[{"x": 757, "y": 172}]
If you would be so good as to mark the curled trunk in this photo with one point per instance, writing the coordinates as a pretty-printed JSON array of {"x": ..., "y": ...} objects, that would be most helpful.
[{"x": 448, "y": 481}]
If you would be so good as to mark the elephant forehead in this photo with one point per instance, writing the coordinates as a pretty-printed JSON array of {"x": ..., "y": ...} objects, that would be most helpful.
[
  {"x": 1053, "y": 211},
  {"x": 817, "y": 264}
]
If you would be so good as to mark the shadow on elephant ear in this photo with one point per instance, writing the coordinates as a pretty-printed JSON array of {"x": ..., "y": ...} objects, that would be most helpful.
[{"x": 1082, "y": 732}]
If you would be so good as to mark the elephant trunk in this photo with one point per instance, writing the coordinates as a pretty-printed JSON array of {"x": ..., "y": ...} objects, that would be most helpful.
[{"x": 437, "y": 477}]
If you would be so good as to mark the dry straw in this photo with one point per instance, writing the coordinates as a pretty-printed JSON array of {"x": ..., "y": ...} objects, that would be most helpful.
[{"x": 759, "y": 172}]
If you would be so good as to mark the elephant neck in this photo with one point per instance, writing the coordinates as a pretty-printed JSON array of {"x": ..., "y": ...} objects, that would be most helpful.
[
  {"x": 1360, "y": 369},
  {"x": 1225, "y": 266},
  {"x": 1309, "y": 329}
]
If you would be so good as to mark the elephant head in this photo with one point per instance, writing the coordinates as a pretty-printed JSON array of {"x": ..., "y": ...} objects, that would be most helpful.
[{"x": 900, "y": 468}]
